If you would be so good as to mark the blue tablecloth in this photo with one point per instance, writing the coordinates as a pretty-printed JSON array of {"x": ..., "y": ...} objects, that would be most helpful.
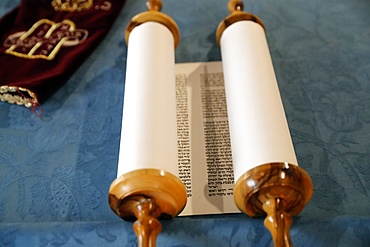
[{"x": 55, "y": 170}]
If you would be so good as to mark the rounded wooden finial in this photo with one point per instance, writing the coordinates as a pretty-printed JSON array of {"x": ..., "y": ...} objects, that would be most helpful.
[
  {"x": 235, "y": 5},
  {"x": 155, "y": 5}
]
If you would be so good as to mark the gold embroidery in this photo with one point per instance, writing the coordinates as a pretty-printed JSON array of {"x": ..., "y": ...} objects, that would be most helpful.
[
  {"x": 71, "y": 5},
  {"x": 44, "y": 39},
  {"x": 18, "y": 95}
]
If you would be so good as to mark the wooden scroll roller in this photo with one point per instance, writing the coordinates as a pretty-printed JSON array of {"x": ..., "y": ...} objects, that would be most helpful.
[
  {"x": 278, "y": 189},
  {"x": 147, "y": 195},
  {"x": 147, "y": 188},
  {"x": 153, "y": 14}
]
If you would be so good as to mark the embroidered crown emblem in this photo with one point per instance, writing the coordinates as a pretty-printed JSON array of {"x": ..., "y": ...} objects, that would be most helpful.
[
  {"x": 44, "y": 39},
  {"x": 71, "y": 5}
]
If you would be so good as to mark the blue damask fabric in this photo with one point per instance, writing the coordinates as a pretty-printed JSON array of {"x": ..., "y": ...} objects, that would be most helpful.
[{"x": 55, "y": 170}]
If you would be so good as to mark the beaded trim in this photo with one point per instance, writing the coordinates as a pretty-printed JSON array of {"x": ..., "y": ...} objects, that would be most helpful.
[
  {"x": 19, "y": 96},
  {"x": 71, "y": 5}
]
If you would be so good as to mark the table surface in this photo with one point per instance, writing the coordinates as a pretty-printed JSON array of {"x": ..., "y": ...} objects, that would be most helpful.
[{"x": 55, "y": 170}]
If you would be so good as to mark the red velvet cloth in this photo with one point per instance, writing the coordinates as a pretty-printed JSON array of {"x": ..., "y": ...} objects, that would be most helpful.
[{"x": 58, "y": 44}]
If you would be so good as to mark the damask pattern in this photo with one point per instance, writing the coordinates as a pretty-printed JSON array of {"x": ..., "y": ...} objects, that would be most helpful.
[{"x": 55, "y": 170}]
